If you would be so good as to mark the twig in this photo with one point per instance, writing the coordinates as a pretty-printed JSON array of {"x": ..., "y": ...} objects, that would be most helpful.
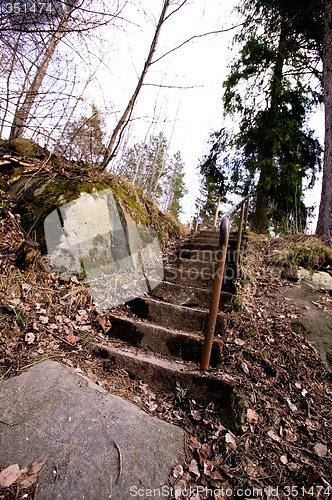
[
  {"x": 120, "y": 461},
  {"x": 62, "y": 339},
  {"x": 35, "y": 492}
]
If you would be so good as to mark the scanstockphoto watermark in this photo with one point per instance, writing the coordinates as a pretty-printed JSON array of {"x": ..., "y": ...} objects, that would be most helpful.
[
  {"x": 285, "y": 491},
  {"x": 195, "y": 492}
]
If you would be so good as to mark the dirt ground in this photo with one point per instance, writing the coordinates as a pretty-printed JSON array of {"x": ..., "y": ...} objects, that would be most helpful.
[
  {"x": 315, "y": 316},
  {"x": 286, "y": 440}
]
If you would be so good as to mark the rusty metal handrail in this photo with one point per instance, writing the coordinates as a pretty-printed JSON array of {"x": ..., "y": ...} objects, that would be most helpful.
[
  {"x": 239, "y": 233},
  {"x": 231, "y": 212},
  {"x": 218, "y": 279},
  {"x": 215, "y": 222},
  {"x": 217, "y": 285}
]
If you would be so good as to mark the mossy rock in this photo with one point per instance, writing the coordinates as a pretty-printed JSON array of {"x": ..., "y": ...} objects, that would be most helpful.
[
  {"x": 47, "y": 197},
  {"x": 37, "y": 197},
  {"x": 22, "y": 147}
]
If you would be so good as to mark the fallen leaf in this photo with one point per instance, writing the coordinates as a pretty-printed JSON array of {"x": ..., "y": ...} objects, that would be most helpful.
[
  {"x": 252, "y": 417},
  {"x": 196, "y": 414},
  {"x": 290, "y": 436},
  {"x": 230, "y": 442},
  {"x": 9, "y": 475},
  {"x": 216, "y": 475},
  {"x": 273, "y": 435},
  {"x": 28, "y": 481},
  {"x": 220, "y": 429},
  {"x": 320, "y": 449},
  {"x": 291, "y": 405},
  {"x": 245, "y": 367},
  {"x": 104, "y": 322},
  {"x": 72, "y": 339},
  {"x": 283, "y": 459},
  {"x": 194, "y": 441},
  {"x": 239, "y": 342},
  {"x": 293, "y": 466},
  {"x": 178, "y": 471},
  {"x": 29, "y": 337},
  {"x": 193, "y": 467},
  {"x": 152, "y": 406},
  {"x": 179, "y": 488},
  {"x": 206, "y": 450},
  {"x": 36, "y": 467}
]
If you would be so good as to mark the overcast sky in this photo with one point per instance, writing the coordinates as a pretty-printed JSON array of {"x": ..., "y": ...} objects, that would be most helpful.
[{"x": 186, "y": 116}]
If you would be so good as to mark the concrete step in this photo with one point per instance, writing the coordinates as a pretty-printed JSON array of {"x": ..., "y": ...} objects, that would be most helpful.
[
  {"x": 164, "y": 375},
  {"x": 191, "y": 276},
  {"x": 189, "y": 296},
  {"x": 173, "y": 316},
  {"x": 206, "y": 255},
  {"x": 212, "y": 233},
  {"x": 201, "y": 245},
  {"x": 159, "y": 340},
  {"x": 188, "y": 277},
  {"x": 203, "y": 268},
  {"x": 204, "y": 241},
  {"x": 208, "y": 232}
]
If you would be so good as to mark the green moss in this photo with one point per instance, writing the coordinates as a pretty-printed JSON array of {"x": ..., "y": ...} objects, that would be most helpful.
[
  {"x": 56, "y": 193},
  {"x": 237, "y": 303},
  {"x": 144, "y": 211},
  {"x": 311, "y": 257},
  {"x": 62, "y": 190},
  {"x": 23, "y": 147},
  {"x": 132, "y": 199}
]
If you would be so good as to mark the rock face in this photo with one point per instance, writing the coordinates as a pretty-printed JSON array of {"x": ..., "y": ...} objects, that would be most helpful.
[
  {"x": 90, "y": 229},
  {"x": 95, "y": 445},
  {"x": 93, "y": 237},
  {"x": 320, "y": 280}
]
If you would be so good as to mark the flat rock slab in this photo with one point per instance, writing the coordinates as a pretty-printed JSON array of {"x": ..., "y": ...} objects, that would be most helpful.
[
  {"x": 316, "y": 322},
  {"x": 319, "y": 280},
  {"x": 95, "y": 445}
]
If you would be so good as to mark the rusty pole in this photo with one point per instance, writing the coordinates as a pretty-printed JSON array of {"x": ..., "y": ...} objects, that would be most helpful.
[
  {"x": 239, "y": 236},
  {"x": 216, "y": 214},
  {"x": 246, "y": 213},
  {"x": 217, "y": 285}
]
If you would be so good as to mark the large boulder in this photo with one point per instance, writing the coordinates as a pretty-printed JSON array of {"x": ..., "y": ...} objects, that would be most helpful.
[{"x": 95, "y": 445}]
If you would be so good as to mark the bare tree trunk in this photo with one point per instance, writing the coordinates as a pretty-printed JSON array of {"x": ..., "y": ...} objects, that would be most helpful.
[
  {"x": 324, "y": 224},
  {"x": 268, "y": 143},
  {"x": 116, "y": 135},
  {"x": 23, "y": 111}
]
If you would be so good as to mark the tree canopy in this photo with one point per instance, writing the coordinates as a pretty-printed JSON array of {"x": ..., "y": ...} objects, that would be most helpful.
[{"x": 273, "y": 85}]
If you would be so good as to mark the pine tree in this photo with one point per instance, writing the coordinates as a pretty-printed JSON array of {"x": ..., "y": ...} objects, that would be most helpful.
[
  {"x": 83, "y": 140},
  {"x": 150, "y": 167},
  {"x": 175, "y": 187},
  {"x": 267, "y": 89}
]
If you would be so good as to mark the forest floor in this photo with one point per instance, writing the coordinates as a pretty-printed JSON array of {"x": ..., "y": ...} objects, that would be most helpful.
[{"x": 285, "y": 447}]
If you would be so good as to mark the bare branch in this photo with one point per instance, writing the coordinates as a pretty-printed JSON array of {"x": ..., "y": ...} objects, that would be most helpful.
[
  {"x": 172, "y": 86},
  {"x": 216, "y": 32}
]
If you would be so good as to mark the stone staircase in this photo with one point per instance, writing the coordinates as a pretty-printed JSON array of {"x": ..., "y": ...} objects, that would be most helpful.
[{"x": 160, "y": 340}]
